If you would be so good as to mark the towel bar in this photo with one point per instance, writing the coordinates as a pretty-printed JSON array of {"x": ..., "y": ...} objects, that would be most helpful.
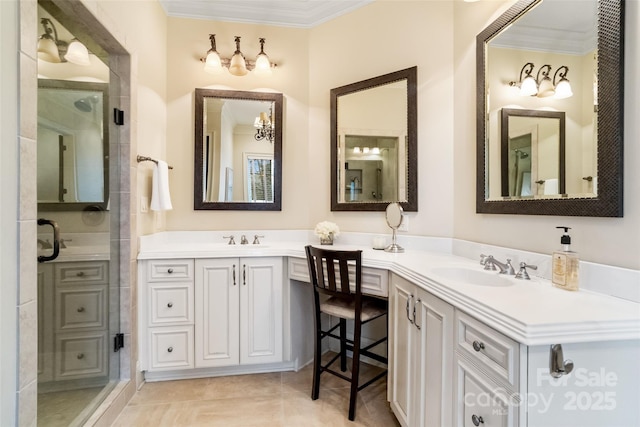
[{"x": 148, "y": 159}]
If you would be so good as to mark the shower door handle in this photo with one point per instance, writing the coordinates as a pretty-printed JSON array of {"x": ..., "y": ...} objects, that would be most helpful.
[{"x": 56, "y": 239}]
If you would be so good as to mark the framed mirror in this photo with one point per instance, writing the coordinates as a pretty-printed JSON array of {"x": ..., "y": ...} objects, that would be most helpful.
[
  {"x": 238, "y": 150},
  {"x": 73, "y": 145},
  {"x": 526, "y": 60},
  {"x": 374, "y": 143},
  {"x": 532, "y": 153}
]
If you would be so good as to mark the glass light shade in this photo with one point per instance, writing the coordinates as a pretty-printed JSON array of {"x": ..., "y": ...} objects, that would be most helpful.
[
  {"x": 48, "y": 51},
  {"x": 528, "y": 86},
  {"x": 546, "y": 88},
  {"x": 77, "y": 53},
  {"x": 563, "y": 89},
  {"x": 375, "y": 150},
  {"x": 365, "y": 150},
  {"x": 213, "y": 63},
  {"x": 238, "y": 66},
  {"x": 263, "y": 65},
  {"x": 356, "y": 150}
]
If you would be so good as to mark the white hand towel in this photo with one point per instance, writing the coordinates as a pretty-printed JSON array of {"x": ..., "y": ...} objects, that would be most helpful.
[
  {"x": 551, "y": 186},
  {"x": 160, "y": 197}
]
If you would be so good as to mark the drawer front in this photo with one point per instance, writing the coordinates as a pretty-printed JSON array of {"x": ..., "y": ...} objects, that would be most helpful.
[
  {"x": 489, "y": 349},
  {"x": 170, "y": 270},
  {"x": 81, "y": 355},
  {"x": 171, "y": 348},
  {"x": 171, "y": 303},
  {"x": 374, "y": 281},
  {"x": 70, "y": 273},
  {"x": 81, "y": 307},
  {"x": 481, "y": 402}
]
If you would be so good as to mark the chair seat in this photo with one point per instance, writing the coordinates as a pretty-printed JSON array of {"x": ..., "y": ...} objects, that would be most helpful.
[{"x": 371, "y": 308}]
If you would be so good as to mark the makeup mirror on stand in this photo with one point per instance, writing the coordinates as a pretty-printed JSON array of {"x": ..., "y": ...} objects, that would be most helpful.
[{"x": 393, "y": 215}]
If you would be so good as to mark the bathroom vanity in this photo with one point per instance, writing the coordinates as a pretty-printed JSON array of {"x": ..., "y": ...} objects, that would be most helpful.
[{"x": 466, "y": 347}]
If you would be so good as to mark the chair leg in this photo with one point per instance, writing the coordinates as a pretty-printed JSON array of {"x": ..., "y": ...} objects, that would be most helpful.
[
  {"x": 317, "y": 355},
  {"x": 355, "y": 371},
  {"x": 343, "y": 345}
]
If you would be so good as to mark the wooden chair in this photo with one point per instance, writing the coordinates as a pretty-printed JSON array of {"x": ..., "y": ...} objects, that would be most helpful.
[{"x": 329, "y": 273}]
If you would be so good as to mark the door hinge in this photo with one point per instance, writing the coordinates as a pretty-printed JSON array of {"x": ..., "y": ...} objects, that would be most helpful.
[
  {"x": 118, "y": 117},
  {"x": 118, "y": 342}
]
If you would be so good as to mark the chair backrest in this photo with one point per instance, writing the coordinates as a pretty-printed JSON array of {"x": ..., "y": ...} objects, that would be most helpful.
[{"x": 330, "y": 270}]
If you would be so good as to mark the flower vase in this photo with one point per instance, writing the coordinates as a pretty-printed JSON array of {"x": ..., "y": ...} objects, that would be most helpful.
[{"x": 326, "y": 240}]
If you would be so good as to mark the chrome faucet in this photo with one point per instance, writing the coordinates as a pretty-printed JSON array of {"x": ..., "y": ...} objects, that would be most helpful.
[
  {"x": 243, "y": 240},
  {"x": 231, "y": 239},
  {"x": 523, "y": 274},
  {"x": 255, "y": 239},
  {"x": 490, "y": 263},
  {"x": 63, "y": 243},
  {"x": 45, "y": 244}
]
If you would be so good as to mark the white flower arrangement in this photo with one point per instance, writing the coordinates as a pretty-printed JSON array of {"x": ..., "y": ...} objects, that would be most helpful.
[{"x": 326, "y": 230}]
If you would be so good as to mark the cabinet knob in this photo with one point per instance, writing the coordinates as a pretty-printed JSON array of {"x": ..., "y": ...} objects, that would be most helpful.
[
  {"x": 476, "y": 420},
  {"x": 80, "y": 310},
  {"x": 170, "y": 270},
  {"x": 80, "y": 273},
  {"x": 80, "y": 356},
  {"x": 170, "y": 304},
  {"x": 170, "y": 349},
  {"x": 477, "y": 346}
]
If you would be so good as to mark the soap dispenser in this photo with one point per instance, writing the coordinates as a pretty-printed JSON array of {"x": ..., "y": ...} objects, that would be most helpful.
[{"x": 565, "y": 264}]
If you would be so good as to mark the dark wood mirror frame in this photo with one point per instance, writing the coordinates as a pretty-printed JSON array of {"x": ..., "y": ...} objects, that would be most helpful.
[
  {"x": 411, "y": 76},
  {"x": 609, "y": 200},
  {"x": 504, "y": 143},
  {"x": 277, "y": 99}
]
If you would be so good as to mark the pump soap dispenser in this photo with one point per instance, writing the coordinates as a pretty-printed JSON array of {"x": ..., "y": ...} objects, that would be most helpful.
[{"x": 565, "y": 264}]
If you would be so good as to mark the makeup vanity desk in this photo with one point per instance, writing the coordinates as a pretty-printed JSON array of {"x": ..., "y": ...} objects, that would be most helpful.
[{"x": 459, "y": 351}]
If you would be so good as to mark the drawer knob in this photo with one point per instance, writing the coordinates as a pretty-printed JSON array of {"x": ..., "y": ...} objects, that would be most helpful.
[
  {"x": 477, "y": 346},
  {"x": 80, "y": 356},
  {"x": 476, "y": 420},
  {"x": 170, "y": 305},
  {"x": 170, "y": 349},
  {"x": 80, "y": 273},
  {"x": 170, "y": 270},
  {"x": 80, "y": 310}
]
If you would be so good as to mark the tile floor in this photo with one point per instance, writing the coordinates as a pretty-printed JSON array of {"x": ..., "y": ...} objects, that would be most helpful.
[{"x": 279, "y": 399}]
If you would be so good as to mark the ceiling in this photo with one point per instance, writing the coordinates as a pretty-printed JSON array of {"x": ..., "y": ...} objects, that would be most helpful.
[{"x": 284, "y": 13}]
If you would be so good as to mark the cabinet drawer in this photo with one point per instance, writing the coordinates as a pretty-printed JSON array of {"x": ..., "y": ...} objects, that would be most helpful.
[
  {"x": 70, "y": 273},
  {"x": 81, "y": 307},
  {"x": 489, "y": 349},
  {"x": 480, "y": 402},
  {"x": 171, "y": 348},
  {"x": 171, "y": 303},
  {"x": 81, "y": 355},
  {"x": 374, "y": 281},
  {"x": 170, "y": 270}
]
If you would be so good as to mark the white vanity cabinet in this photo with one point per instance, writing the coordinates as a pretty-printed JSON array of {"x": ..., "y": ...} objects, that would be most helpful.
[
  {"x": 73, "y": 322},
  {"x": 239, "y": 311},
  {"x": 420, "y": 355}
]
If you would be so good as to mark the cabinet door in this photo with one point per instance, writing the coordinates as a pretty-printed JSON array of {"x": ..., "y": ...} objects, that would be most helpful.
[
  {"x": 217, "y": 328},
  {"x": 402, "y": 341},
  {"x": 433, "y": 360},
  {"x": 261, "y": 307}
]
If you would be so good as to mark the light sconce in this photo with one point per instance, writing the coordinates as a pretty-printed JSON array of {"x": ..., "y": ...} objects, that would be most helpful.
[
  {"x": 366, "y": 150},
  {"x": 265, "y": 127},
  {"x": 237, "y": 65},
  {"x": 52, "y": 49},
  {"x": 542, "y": 86}
]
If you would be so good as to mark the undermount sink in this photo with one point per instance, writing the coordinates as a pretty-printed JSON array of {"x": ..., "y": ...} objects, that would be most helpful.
[{"x": 473, "y": 277}]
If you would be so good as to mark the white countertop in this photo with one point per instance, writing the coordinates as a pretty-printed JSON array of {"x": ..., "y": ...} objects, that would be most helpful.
[{"x": 532, "y": 312}]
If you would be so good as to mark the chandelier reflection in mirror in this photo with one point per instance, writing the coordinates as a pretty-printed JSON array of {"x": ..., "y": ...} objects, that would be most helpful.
[
  {"x": 238, "y": 65},
  {"x": 54, "y": 50},
  {"x": 542, "y": 85},
  {"x": 265, "y": 126}
]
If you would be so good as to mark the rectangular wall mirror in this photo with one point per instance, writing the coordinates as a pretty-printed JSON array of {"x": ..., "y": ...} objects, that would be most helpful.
[
  {"x": 238, "y": 150},
  {"x": 73, "y": 145},
  {"x": 374, "y": 143},
  {"x": 563, "y": 60}
]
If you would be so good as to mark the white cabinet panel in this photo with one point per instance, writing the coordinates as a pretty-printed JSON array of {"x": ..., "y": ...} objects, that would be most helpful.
[
  {"x": 171, "y": 303},
  {"x": 171, "y": 347}
]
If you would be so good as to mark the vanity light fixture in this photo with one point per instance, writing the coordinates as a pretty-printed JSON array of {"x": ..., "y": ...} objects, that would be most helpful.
[
  {"x": 265, "y": 127},
  {"x": 52, "y": 49},
  {"x": 238, "y": 65},
  {"x": 543, "y": 86}
]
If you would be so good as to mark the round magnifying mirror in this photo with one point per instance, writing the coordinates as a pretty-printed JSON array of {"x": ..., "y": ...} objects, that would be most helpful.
[{"x": 393, "y": 215}]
